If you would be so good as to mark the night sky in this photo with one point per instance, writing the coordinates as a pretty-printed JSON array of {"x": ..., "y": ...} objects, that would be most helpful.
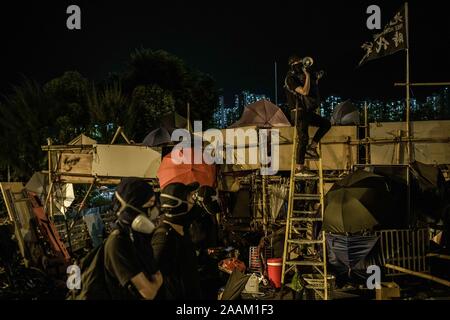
[{"x": 236, "y": 42}]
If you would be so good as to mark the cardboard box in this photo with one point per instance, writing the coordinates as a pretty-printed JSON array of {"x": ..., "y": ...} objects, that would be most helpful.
[{"x": 388, "y": 291}]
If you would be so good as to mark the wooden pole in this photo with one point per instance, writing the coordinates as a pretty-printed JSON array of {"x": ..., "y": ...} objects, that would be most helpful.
[{"x": 419, "y": 274}]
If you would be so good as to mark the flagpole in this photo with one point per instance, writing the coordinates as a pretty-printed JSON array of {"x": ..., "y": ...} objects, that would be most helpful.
[{"x": 408, "y": 100}]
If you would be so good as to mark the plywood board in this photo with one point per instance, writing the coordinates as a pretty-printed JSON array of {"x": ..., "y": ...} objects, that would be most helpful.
[
  {"x": 430, "y": 152},
  {"x": 125, "y": 161},
  {"x": 20, "y": 213},
  {"x": 337, "y": 154}
]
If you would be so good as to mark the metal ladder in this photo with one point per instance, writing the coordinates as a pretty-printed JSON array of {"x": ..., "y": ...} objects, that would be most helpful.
[{"x": 302, "y": 244}]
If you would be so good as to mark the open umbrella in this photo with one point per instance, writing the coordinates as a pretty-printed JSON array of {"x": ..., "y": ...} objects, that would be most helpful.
[
  {"x": 158, "y": 137},
  {"x": 359, "y": 202},
  {"x": 264, "y": 114},
  {"x": 171, "y": 171},
  {"x": 345, "y": 113},
  {"x": 427, "y": 188},
  {"x": 361, "y": 178},
  {"x": 347, "y": 212},
  {"x": 63, "y": 193},
  {"x": 173, "y": 120}
]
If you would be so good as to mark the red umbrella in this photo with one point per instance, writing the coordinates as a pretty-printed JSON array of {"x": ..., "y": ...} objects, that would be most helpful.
[{"x": 172, "y": 171}]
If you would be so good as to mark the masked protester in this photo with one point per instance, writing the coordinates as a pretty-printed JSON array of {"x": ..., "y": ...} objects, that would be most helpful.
[
  {"x": 204, "y": 234},
  {"x": 203, "y": 230},
  {"x": 130, "y": 269},
  {"x": 302, "y": 93},
  {"x": 172, "y": 244}
]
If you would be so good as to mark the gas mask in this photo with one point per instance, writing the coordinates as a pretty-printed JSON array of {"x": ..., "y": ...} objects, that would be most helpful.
[
  {"x": 178, "y": 212},
  {"x": 141, "y": 223},
  {"x": 208, "y": 202}
]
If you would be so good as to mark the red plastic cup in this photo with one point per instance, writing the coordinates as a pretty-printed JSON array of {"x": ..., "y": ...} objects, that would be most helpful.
[{"x": 274, "y": 270}]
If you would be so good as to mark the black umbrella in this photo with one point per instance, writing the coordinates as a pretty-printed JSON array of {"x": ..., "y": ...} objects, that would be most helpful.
[
  {"x": 235, "y": 285},
  {"x": 428, "y": 190},
  {"x": 157, "y": 137},
  {"x": 361, "y": 178},
  {"x": 359, "y": 202},
  {"x": 162, "y": 135},
  {"x": 173, "y": 120},
  {"x": 350, "y": 210},
  {"x": 345, "y": 113}
]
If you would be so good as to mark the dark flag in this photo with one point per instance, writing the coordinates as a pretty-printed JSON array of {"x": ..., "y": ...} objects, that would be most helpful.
[{"x": 392, "y": 39}]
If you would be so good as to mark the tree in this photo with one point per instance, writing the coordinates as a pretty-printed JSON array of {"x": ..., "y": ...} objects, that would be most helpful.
[
  {"x": 148, "y": 104},
  {"x": 26, "y": 120},
  {"x": 68, "y": 96},
  {"x": 108, "y": 108},
  {"x": 170, "y": 73}
]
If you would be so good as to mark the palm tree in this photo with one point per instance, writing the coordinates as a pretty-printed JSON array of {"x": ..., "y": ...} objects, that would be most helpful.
[{"x": 25, "y": 123}]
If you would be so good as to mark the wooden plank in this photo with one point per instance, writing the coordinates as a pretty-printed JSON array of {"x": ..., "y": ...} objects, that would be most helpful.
[
  {"x": 125, "y": 161},
  {"x": 19, "y": 213}
]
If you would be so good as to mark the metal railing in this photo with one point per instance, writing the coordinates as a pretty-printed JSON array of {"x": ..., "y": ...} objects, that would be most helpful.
[{"x": 404, "y": 248}]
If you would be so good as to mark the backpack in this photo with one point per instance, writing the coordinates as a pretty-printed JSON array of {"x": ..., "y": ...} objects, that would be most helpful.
[{"x": 93, "y": 282}]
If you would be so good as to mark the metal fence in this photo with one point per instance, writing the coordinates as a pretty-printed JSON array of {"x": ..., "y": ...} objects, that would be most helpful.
[{"x": 404, "y": 248}]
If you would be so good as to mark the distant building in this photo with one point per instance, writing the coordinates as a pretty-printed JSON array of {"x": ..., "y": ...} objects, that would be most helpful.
[
  {"x": 328, "y": 105},
  {"x": 245, "y": 98},
  {"x": 225, "y": 115}
]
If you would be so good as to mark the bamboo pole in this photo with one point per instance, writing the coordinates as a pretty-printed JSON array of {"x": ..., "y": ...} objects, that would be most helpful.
[
  {"x": 423, "y": 84},
  {"x": 418, "y": 274},
  {"x": 408, "y": 101},
  {"x": 189, "y": 116},
  {"x": 440, "y": 256},
  {"x": 398, "y": 146},
  {"x": 50, "y": 180},
  {"x": 47, "y": 198},
  {"x": 124, "y": 136},
  {"x": 264, "y": 204},
  {"x": 366, "y": 129},
  {"x": 82, "y": 204},
  {"x": 119, "y": 129}
]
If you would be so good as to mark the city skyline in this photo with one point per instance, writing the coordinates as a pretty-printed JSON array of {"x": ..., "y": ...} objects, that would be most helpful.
[{"x": 435, "y": 106}]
